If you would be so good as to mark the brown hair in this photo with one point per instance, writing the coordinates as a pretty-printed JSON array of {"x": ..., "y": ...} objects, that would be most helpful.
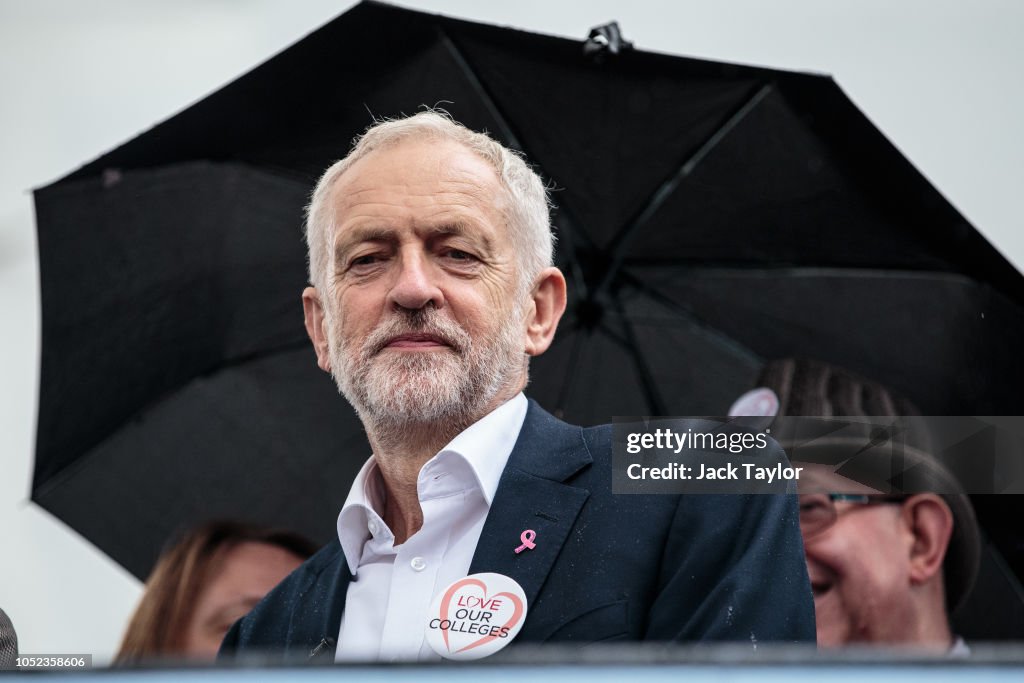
[{"x": 158, "y": 625}]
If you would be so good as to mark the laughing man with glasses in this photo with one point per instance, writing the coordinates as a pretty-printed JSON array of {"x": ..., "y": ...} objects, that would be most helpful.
[{"x": 885, "y": 569}]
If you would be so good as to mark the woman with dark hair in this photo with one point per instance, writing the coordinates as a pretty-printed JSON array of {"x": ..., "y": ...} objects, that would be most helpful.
[{"x": 203, "y": 583}]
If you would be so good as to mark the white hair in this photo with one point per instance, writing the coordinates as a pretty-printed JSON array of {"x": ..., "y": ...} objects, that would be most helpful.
[{"x": 525, "y": 207}]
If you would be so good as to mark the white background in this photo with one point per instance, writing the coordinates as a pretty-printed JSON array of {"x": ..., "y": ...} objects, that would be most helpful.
[{"x": 941, "y": 78}]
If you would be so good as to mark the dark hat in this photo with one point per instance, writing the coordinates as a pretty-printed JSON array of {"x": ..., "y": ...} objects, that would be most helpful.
[{"x": 810, "y": 388}]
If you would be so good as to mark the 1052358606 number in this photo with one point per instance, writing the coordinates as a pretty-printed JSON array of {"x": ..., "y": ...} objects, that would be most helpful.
[{"x": 53, "y": 662}]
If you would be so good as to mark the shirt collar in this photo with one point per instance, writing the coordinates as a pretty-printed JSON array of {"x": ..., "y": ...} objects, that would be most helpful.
[
  {"x": 364, "y": 499},
  {"x": 484, "y": 446}
]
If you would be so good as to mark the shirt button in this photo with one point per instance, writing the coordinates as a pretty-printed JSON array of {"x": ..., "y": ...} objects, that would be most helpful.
[{"x": 418, "y": 564}]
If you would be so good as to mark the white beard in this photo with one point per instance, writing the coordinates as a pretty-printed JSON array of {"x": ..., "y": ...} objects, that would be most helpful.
[{"x": 392, "y": 389}]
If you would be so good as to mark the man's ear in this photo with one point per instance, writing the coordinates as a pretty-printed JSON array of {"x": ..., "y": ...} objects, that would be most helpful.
[
  {"x": 316, "y": 327},
  {"x": 930, "y": 522},
  {"x": 548, "y": 305}
]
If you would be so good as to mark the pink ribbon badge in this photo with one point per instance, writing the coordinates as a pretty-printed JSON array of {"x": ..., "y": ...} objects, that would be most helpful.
[{"x": 527, "y": 539}]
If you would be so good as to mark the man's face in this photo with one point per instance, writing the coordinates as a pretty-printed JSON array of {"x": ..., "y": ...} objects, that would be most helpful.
[
  {"x": 423, "y": 313},
  {"x": 859, "y": 569}
]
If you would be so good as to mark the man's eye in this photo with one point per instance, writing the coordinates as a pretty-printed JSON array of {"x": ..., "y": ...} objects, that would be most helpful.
[
  {"x": 459, "y": 255},
  {"x": 813, "y": 504},
  {"x": 367, "y": 260}
]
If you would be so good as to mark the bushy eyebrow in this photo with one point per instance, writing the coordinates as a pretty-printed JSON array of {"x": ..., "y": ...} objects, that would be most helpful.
[
  {"x": 359, "y": 236},
  {"x": 463, "y": 230},
  {"x": 362, "y": 235}
]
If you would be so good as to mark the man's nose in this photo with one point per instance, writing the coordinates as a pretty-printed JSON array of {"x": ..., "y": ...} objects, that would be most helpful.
[{"x": 415, "y": 283}]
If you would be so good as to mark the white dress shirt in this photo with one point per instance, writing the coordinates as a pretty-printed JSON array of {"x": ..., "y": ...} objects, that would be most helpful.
[{"x": 392, "y": 587}]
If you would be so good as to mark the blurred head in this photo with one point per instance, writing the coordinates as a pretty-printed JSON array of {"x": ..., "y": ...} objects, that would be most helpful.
[
  {"x": 883, "y": 568},
  {"x": 430, "y": 256},
  {"x": 875, "y": 562},
  {"x": 8, "y": 643},
  {"x": 203, "y": 583}
]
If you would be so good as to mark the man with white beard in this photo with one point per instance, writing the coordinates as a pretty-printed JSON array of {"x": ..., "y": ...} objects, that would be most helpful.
[{"x": 430, "y": 252}]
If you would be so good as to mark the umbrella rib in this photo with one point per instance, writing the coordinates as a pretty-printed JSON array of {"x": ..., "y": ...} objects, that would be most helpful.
[
  {"x": 58, "y": 476},
  {"x": 685, "y": 312},
  {"x": 643, "y": 371},
  {"x": 481, "y": 91},
  {"x": 568, "y": 228},
  {"x": 669, "y": 185}
]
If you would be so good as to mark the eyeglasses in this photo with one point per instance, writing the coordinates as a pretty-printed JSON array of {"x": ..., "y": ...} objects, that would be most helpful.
[{"x": 818, "y": 510}]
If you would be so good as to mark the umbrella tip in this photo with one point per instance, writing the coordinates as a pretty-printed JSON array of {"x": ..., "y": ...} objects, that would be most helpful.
[{"x": 605, "y": 40}]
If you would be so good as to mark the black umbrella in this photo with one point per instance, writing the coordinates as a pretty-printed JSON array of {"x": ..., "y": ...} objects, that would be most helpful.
[{"x": 710, "y": 216}]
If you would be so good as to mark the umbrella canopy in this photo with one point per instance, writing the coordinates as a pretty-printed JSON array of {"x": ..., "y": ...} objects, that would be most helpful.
[{"x": 710, "y": 216}]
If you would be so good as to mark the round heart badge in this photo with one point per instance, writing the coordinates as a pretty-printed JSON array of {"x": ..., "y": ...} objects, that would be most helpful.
[{"x": 476, "y": 616}]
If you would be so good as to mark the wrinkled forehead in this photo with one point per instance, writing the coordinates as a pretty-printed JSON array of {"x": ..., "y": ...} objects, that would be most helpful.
[
  {"x": 819, "y": 478},
  {"x": 419, "y": 170}
]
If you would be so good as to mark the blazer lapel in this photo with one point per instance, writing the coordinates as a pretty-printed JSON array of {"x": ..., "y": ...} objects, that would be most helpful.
[
  {"x": 316, "y": 615},
  {"x": 532, "y": 495}
]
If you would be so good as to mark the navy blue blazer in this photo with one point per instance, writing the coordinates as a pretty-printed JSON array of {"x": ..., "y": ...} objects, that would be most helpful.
[{"x": 606, "y": 567}]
